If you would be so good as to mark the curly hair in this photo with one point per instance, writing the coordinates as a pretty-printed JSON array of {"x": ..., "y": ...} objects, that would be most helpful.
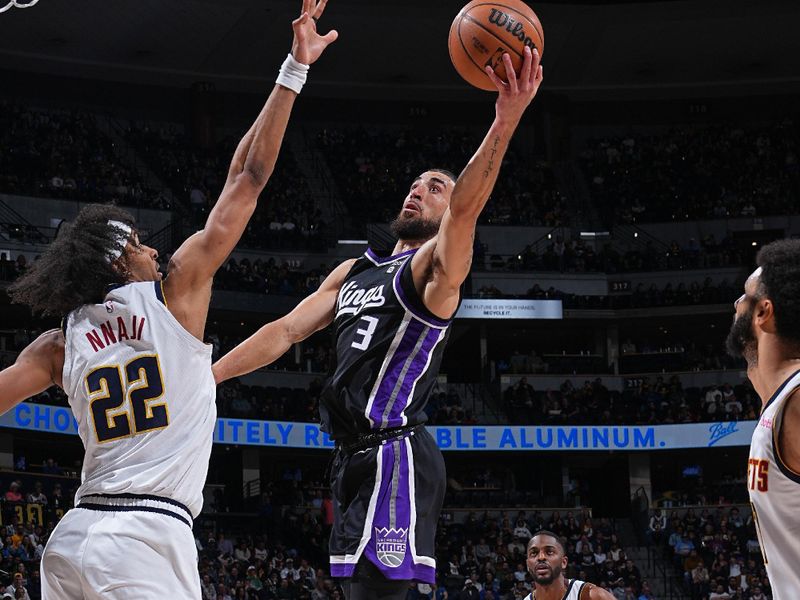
[
  {"x": 75, "y": 269},
  {"x": 780, "y": 281}
]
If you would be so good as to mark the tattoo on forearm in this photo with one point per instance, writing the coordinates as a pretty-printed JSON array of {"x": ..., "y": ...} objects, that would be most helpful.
[{"x": 490, "y": 165}]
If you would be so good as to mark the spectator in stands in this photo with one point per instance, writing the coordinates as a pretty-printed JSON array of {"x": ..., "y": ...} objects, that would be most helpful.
[
  {"x": 13, "y": 494},
  {"x": 224, "y": 545},
  {"x": 207, "y": 589},
  {"x": 37, "y": 496},
  {"x": 242, "y": 553},
  {"x": 658, "y": 526},
  {"x": 57, "y": 500},
  {"x": 719, "y": 593},
  {"x": 18, "y": 585},
  {"x": 646, "y": 593},
  {"x": 521, "y": 531},
  {"x": 631, "y": 574},
  {"x": 700, "y": 581},
  {"x": 254, "y": 584},
  {"x": 222, "y": 592},
  {"x": 757, "y": 594},
  {"x": 469, "y": 591}
]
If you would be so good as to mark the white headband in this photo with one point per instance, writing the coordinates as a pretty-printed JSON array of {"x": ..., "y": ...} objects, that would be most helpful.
[{"x": 121, "y": 236}]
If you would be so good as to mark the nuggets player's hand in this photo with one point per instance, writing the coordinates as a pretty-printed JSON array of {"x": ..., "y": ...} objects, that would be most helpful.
[
  {"x": 516, "y": 95},
  {"x": 308, "y": 45}
]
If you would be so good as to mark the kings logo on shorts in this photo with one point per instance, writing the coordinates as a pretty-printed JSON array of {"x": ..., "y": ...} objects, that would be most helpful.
[{"x": 390, "y": 545}]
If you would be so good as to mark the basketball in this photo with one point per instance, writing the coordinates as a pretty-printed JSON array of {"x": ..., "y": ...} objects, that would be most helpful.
[{"x": 483, "y": 31}]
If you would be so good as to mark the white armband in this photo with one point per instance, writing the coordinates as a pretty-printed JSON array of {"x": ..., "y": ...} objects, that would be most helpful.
[{"x": 292, "y": 74}]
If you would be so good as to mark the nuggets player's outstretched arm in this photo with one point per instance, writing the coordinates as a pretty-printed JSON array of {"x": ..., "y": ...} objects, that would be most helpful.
[
  {"x": 37, "y": 368},
  {"x": 270, "y": 342},
  {"x": 442, "y": 265},
  {"x": 192, "y": 267}
]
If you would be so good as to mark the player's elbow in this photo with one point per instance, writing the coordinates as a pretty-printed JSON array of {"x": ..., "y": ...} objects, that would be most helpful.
[
  {"x": 255, "y": 175},
  {"x": 290, "y": 332}
]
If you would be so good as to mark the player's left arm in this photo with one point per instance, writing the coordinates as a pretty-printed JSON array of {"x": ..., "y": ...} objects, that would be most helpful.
[
  {"x": 192, "y": 267},
  {"x": 37, "y": 368},
  {"x": 254, "y": 159},
  {"x": 445, "y": 263},
  {"x": 790, "y": 432}
]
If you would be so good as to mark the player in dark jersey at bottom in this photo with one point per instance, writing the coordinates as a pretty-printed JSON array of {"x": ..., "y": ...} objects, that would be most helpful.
[
  {"x": 391, "y": 319},
  {"x": 546, "y": 563}
]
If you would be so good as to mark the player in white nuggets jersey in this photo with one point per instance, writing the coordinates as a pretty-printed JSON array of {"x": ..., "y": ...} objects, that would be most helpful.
[
  {"x": 766, "y": 332},
  {"x": 546, "y": 562},
  {"x": 131, "y": 359},
  {"x": 391, "y": 316}
]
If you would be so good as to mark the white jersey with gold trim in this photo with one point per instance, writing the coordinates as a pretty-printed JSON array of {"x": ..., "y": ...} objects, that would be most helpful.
[
  {"x": 775, "y": 498},
  {"x": 143, "y": 394},
  {"x": 574, "y": 589}
]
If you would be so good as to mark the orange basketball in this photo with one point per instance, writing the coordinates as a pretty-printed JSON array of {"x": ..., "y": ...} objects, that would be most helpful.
[{"x": 483, "y": 31}]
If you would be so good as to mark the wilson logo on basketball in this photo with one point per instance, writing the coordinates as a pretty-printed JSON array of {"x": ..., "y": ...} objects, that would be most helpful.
[{"x": 511, "y": 25}]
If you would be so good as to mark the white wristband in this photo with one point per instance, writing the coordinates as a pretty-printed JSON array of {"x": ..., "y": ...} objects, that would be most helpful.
[{"x": 292, "y": 74}]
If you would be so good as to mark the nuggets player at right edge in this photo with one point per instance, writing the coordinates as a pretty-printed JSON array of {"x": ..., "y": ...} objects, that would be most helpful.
[{"x": 766, "y": 332}]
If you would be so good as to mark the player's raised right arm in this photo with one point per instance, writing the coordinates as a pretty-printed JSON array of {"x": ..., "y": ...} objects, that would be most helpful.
[
  {"x": 271, "y": 341},
  {"x": 196, "y": 261}
]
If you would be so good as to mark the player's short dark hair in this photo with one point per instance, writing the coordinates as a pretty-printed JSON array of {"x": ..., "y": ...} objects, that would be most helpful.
[
  {"x": 780, "y": 281},
  {"x": 450, "y": 174},
  {"x": 555, "y": 536},
  {"x": 75, "y": 268}
]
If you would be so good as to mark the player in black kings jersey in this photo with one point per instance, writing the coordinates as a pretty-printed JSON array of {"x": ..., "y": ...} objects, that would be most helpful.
[{"x": 391, "y": 317}]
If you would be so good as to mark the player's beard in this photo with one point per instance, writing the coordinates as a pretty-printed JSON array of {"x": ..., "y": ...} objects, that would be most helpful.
[
  {"x": 555, "y": 573},
  {"x": 414, "y": 228},
  {"x": 741, "y": 342}
]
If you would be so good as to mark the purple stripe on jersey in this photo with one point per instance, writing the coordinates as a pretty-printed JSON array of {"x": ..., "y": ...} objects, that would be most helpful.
[
  {"x": 393, "y": 370},
  {"x": 409, "y": 306},
  {"x": 414, "y": 372}
]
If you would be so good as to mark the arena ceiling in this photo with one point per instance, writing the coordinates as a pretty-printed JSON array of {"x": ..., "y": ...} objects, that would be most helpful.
[{"x": 399, "y": 47}]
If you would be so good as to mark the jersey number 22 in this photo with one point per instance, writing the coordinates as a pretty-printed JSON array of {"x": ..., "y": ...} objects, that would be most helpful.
[{"x": 109, "y": 386}]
